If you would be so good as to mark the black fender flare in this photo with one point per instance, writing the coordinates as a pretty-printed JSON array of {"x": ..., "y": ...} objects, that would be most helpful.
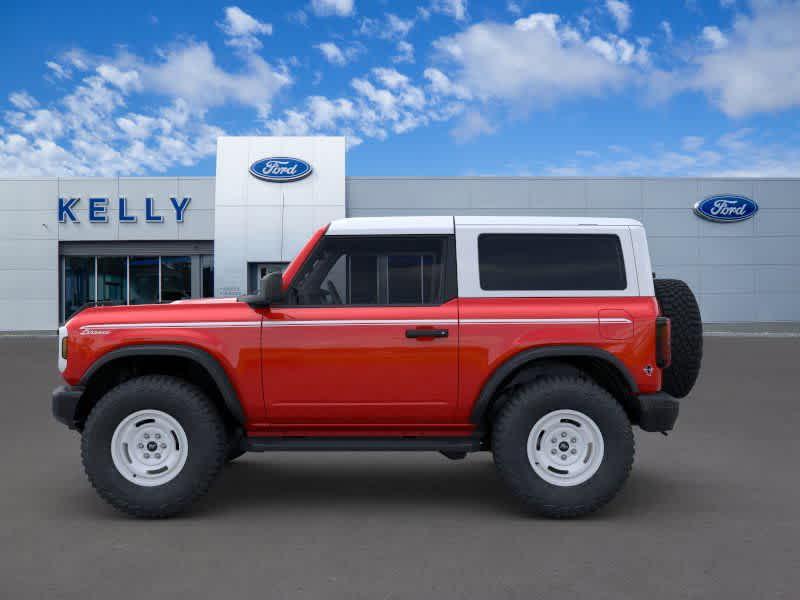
[
  {"x": 210, "y": 364},
  {"x": 502, "y": 373}
]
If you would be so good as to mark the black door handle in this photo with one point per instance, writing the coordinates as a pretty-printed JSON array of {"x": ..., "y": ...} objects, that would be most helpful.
[{"x": 427, "y": 333}]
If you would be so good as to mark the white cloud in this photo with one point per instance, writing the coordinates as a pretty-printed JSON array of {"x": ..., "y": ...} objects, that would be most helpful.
[
  {"x": 332, "y": 53},
  {"x": 127, "y": 80},
  {"x": 666, "y": 27},
  {"x": 91, "y": 131},
  {"x": 727, "y": 3},
  {"x": 339, "y": 8},
  {"x": 621, "y": 11},
  {"x": 398, "y": 27},
  {"x": 391, "y": 78},
  {"x": 336, "y": 55},
  {"x": 57, "y": 70},
  {"x": 453, "y": 8},
  {"x": 735, "y": 154},
  {"x": 385, "y": 101},
  {"x": 441, "y": 84},
  {"x": 298, "y": 16},
  {"x": 514, "y": 8},
  {"x": 243, "y": 29},
  {"x": 619, "y": 50},
  {"x": 22, "y": 100},
  {"x": 405, "y": 52},
  {"x": 138, "y": 126},
  {"x": 190, "y": 72},
  {"x": 537, "y": 60},
  {"x": 37, "y": 123},
  {"x": 758, "y": 70},
  {"x": 715, "y": 37},
  {"x": 692, "y": 143},
  {"x": 471, "y": 125},
  {"x": 391, "y": 27}
]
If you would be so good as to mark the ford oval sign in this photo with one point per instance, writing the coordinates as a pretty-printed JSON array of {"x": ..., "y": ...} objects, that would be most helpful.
[
  {"x": 280, "y": 169},
  {"x": 726, "y": 209}
]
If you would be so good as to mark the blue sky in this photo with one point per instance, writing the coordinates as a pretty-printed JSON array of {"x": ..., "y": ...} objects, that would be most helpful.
[{"x": 436, "y": 87}]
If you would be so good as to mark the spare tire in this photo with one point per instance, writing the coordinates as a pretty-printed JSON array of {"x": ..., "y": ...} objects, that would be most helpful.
[{"x": 678, "y": 303}]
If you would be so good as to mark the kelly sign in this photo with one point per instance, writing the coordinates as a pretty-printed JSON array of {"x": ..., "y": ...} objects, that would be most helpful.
[{"x": 98, "y": 210}]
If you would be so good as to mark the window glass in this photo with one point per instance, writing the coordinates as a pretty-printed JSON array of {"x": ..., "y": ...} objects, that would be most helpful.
[
  {"x": 372, "y": 270},
  {"x": 410, "y": 278},
  {"x": 78, "y": 283},
  {"x": 112, "y": 279},
  {"x": 207, "y": 273},
  {"x": 144, "y": 279},
  {"x": 551, "y": 262},
  {"x": 176, "y": 278},
  {"x": 363, "y": 279}
]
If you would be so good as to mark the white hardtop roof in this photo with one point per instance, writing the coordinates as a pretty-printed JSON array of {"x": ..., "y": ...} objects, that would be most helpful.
[{"x": 428, "y": 225}]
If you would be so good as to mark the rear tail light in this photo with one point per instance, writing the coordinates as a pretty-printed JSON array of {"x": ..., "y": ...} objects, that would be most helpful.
[{"x": 663, "y": 342}]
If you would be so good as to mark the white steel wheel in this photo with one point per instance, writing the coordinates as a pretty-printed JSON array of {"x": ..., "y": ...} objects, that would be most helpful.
[
  {"x": 565, "y": 448},
  {"x": 149, "y": 448}
]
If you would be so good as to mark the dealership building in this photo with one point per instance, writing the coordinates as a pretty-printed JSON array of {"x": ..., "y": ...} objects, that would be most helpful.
[{"x": 66, "y": 241}]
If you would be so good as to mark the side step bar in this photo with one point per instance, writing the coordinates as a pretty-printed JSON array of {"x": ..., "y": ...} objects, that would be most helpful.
[{"x": 382, "y": 444}]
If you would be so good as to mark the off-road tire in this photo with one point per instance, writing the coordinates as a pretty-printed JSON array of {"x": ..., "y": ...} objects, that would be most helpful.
[
  {"x": 678, "y": 303},
  {"x": 197, "y": 415},
  {"x": 517, "y": 418}
]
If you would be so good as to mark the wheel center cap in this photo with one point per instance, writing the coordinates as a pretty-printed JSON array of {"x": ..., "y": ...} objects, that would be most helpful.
[
  {"x": 563, "y": 446},
  {"x": 152, "y": 446}
]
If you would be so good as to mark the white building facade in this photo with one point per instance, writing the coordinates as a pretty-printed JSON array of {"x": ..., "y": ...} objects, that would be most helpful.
[{"x": 65, "y": 242}]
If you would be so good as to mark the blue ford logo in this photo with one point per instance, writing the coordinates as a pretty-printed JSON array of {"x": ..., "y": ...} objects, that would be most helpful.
[
  {"x": 280, "y": 169},
  {"x": 726, "y": 208}
]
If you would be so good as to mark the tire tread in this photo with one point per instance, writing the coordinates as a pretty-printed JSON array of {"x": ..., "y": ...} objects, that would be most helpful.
[
  {"x": 204, "y": 410},
  {"x": 514, "y": 475}
]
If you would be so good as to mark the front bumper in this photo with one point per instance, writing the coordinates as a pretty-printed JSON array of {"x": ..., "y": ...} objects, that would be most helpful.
[
  {"x": 657, "y": 412},
  {"x": 65, "y": 404}
]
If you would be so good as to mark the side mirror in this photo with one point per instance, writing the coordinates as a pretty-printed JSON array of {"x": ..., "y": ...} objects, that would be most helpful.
[{"x": 270, "y": 290}]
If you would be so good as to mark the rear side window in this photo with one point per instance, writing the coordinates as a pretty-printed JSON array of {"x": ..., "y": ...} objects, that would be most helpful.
[{"x": 557, "y": 262}]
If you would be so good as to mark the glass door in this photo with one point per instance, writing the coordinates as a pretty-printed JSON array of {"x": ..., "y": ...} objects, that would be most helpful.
[
  {"x": 78, "y": 282},
  {"x": 112, "y": 279},
  {"x": 144, "y": 279},
  {"x": 176, "y": 278}
]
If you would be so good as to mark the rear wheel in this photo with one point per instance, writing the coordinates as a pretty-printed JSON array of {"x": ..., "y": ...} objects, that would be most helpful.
[
  {"x": 678, "y": 303},
  {"x": 153, "y": 445},
  {"x": 563, "y": 445}
]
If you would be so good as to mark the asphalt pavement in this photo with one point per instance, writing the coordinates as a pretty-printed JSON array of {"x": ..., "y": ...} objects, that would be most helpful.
[{"x": 712, "y": 511}]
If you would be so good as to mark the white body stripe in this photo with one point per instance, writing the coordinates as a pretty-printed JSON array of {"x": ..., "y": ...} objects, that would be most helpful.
[
  {"x": 184, "y": 325},
  {"x": 358, "y": 322},
  {"x": 556, "y": 321}
]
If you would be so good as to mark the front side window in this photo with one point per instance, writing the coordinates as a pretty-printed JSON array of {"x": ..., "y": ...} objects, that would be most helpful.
[
  {"x": 380, "y": 270},
  {"x": 553, "y": 262}
]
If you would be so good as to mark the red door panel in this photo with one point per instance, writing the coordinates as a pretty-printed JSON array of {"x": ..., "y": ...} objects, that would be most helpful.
[{"x": 342, "y": 366}]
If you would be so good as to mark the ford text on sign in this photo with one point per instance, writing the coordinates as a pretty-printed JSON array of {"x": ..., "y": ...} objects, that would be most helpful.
[
  {"x": 726, "y": 208},
  {"x": 279, "y": 169}
]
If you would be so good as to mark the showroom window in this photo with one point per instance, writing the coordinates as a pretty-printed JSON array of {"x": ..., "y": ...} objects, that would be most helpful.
[{"x": 134, "y": 280}]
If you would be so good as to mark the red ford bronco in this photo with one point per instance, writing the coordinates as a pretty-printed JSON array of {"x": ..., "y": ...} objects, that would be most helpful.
[{"x": 542, "y": 340}]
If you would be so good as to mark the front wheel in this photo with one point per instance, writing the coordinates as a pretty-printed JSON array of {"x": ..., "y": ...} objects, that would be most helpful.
[
  {"x": 563, "y": 445},
  {"x": 153, "y": 445}
]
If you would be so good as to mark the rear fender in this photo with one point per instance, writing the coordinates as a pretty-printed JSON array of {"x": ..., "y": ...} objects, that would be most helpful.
[{"x": 505, "y": 374}]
